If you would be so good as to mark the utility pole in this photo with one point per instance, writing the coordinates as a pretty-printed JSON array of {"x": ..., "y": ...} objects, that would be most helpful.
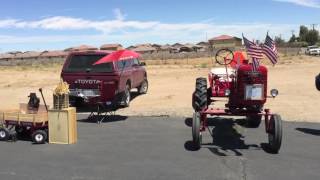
[{"x": 313, "y": 26}]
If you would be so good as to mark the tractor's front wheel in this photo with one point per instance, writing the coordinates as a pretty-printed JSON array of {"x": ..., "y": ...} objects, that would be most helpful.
[
  {"x": 275, "y": 134},
  {"x": 318, "y": 82},
  {"x": 196, "y": 133},
  {"x": 200, "y": 97}
]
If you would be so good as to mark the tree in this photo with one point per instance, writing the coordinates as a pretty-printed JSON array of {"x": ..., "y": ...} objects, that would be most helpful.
[
  {"x": 303, "y": 33},
  {"x": 312, "y": 37},
  {"x": 279, "y": 41},
  {"x": 292, "y": 39}
]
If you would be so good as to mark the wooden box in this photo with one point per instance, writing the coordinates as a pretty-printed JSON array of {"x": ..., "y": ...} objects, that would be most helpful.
[{"x": 62, "y": 126}]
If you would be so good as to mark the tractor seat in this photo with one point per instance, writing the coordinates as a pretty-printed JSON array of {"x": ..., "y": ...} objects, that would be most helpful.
[{"x": 221, "y": 72}]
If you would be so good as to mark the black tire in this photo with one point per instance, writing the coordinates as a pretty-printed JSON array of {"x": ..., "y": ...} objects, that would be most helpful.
[
  {"x": 200, "y": 97},
  {"x": 275, "y": 136},
  {"x": 196, "y": 133},
  {"x": 318, "y": 82},
  {"x": 39, "y": 136},
  {"x": 143, "y": 88},
  {"x": 4, "y": 134},
  {"x": 254, "y": 121},
  {"x": 126, "y": 97}
]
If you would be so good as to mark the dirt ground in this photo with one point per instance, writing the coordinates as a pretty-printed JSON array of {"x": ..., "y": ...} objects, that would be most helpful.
[{"x": 171, "y": 84}]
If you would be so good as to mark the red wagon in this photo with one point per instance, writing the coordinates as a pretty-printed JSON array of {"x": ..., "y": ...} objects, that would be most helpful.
[{"x": 25, "y": 122}]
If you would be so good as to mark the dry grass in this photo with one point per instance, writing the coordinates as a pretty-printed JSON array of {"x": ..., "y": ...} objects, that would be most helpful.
[{"x": 172, "y": 83}]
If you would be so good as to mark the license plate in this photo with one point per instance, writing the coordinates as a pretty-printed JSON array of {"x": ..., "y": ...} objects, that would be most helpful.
[{"x": 254, "y": 92}]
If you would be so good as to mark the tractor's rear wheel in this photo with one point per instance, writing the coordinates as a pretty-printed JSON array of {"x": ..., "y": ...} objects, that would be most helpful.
[
  {"x": 200, "y": 97},
  {"x": 253, "y": 121},
  {"x": 275, "y": 135},
  {"x": 318, "y": 82},
  {"x": 196, "y": 133}
]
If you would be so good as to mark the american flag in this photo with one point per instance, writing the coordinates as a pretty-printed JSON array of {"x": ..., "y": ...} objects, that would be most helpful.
[
  {"x": 255, "y": 64},
  {"x": 270, "y": 50},
  {"x": 253, "y": 50}
]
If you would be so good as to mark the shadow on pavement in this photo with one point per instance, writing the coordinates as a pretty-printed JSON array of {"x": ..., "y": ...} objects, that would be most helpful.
[
  {"x": 315, "y": 132},
  {"x": 108, "y": 119},
  {"x": 225, "y": 138}
]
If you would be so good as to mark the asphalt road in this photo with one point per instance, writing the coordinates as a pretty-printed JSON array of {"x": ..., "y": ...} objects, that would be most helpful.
[{"x": 139, "y": 148}]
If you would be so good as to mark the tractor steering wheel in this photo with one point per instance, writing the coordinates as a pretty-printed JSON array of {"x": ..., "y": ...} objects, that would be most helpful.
[{"x": 224, "y": 56}]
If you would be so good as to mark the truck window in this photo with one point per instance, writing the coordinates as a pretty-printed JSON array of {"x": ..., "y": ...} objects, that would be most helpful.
[
  {"x": 124, "y": 64},
  {"x": 136, "y": 62},
  {"x": 84, "y": 63}
]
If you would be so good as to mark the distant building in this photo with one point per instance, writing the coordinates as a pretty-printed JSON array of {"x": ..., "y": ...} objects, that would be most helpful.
[
  {"x": 111, "y": 47},
  {"x": 6, "y": 56},
  {"x": 225, "y": 41},
  {"x": 189, "y": 48},
  {"x": 143, "y": 48},
  {"x": 81, "y": 48},
  {"x": 27, "y": 55},
  {"x": 53, "y": 54}
]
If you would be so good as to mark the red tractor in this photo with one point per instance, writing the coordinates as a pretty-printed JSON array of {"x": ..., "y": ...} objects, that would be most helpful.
[{"x": 246, "y": 91}]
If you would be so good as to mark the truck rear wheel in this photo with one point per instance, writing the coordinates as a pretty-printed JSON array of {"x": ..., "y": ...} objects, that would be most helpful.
[
  {"x": 143, "y": 88},
  {"x": 318, "y": 82},
  {"x": 126, "y": 97},
  {"x": 200, "y": 97}
]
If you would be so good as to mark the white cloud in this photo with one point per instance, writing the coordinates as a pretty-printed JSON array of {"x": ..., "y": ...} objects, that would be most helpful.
[
  {"x": 307, "y": 3},
  {"x": 133, "y": 31}
]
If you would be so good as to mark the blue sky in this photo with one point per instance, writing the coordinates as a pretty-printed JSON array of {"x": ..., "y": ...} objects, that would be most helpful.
[{"x": 41, "y": 25}]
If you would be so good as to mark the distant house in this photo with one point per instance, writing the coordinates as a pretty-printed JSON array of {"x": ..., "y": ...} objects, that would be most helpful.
[
  {"x": 204, "y": 46},
  {"x": 131, "y": 47},
  {"x": 177, "y": 45},
  {"x": 157, "y": 47},
  {"x": 225, "y": 41},
  {"x": 6, "y": 56},
  {"x": 27, "y": 55},
  {"x": 81, "y": 48},
  {"x": 111, "y": 47},
  {"x": 189, "y": 48},
  {"x": 167, "y": 48},
  {"x": 53, "y": 54},
  {"x": 144, "y": 50}
]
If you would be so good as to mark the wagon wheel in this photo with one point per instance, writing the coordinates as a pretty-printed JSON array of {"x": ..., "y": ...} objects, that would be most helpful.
[
  {"x": 4, "y": 134},
  {"x": 224, "y": 56},
  {"x": 39, "y": 136},
  {"x": 196, "y": 133},
  {"x": 275, "y": 134}
]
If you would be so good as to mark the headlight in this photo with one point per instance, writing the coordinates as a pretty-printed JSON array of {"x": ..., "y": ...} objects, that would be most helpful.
[
  {"x": 227, "y": 92},
  {"x": 274, "y": 92}
]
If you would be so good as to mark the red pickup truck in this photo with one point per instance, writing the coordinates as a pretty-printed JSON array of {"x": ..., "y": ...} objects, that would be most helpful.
[{"x": 109, "y": 83}]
